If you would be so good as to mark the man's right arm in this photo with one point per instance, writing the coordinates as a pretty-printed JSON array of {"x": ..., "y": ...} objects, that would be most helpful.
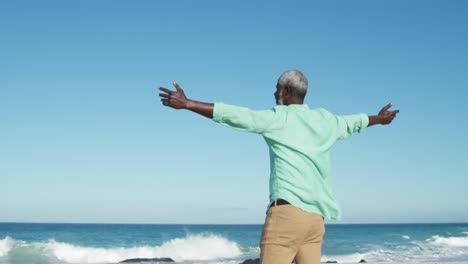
[
  {"x": 240, "y": 118},
  {"x": 384, "y": 117},
  {"x": 178, "y": 100},
  {"x": 204, "y": 109}
]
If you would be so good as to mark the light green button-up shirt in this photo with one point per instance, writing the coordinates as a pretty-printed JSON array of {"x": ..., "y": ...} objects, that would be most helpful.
[{"x": 299, "y": 140}]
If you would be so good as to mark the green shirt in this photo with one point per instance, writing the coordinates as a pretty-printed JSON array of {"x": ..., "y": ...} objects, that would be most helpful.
[{"x": 299, "y": 141}]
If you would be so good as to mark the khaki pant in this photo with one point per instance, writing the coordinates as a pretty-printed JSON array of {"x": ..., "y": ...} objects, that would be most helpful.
[{"x": 290, "y": 232}]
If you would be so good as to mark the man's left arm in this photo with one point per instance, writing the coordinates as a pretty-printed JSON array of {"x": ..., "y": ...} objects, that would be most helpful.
[{"x": 349, "y": 124}]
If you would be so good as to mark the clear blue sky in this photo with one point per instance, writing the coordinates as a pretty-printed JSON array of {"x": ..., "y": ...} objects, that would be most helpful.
[{"x": 83, "y": 137}]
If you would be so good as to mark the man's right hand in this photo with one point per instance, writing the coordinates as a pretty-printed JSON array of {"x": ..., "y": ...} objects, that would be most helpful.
[
  {"x": 178, "y": 100},
  {"x": 175, "y": 99},
  {"x": 387, "y": 116},
  {"x": 384, "y": 117}
]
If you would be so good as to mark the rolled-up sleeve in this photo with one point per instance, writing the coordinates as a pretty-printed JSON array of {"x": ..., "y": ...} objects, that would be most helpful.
[
  {"x": 349, "y": 124},
  {"x": 242, "y": 118}
]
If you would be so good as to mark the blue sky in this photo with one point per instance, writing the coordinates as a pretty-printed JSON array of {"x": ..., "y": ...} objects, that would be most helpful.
[{"x": 83, "y": 136}]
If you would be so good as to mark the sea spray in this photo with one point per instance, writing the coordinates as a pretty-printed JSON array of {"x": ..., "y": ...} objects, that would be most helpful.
[
  {"x": 200, "y": 247},
  {"x": 449, "y": 241},
  {"x": 436, "y": 248},
  {"x": 5, "y": 246},
  {"x": 190, "y": 248}
]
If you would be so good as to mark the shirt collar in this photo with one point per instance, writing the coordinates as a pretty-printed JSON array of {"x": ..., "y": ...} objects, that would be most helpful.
[{"x": 299, "y": 107}]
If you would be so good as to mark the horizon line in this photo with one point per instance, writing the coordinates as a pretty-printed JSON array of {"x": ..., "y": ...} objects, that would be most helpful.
[{"x": 121, "y": 223}]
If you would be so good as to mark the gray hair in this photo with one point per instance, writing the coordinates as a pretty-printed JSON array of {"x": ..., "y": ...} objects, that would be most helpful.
[{"x": 295, "y": 80}]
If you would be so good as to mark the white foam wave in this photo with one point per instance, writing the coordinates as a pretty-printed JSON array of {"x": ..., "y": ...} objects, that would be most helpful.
[
  {"x": 449, "y": 241},
  {"x": 406, "y": 237},
  {"x": 192, "y": 248},
  {"x": 378, "y": 255},
  {"x": 436, "y": 248},
  {"x": 198, "y": 247},
  {"x": 5, "y": 246},
  {"x": 465, "y": 233},
  {"x": 352, "y": 258},
  {"x": 76, "y": 254}
]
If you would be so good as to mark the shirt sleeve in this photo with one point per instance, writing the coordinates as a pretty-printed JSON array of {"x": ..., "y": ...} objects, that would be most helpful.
[
  {"x": 242, "y": 118},
  {"x": 349, "y": 124}
]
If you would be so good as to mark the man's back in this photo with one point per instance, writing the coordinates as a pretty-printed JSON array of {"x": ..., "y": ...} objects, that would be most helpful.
[{"x": 299, "y": 141}]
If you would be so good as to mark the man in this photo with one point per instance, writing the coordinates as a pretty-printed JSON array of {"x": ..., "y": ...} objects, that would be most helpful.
[{"x": 299, "y": 140}]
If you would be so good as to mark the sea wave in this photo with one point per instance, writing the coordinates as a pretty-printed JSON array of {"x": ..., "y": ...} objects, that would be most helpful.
[
  {"x": 449, "y": 241},
  {"x": 351, "y": 258},
  {"x": 198, "y": 247},
  {"x": 436, "y": 248},
  {"x": 5, "y": 246},
  {"x": 212, "y": 248}
]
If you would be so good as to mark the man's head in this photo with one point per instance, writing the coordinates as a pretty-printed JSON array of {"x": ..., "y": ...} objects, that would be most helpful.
[{"x": 291, "y": 88}]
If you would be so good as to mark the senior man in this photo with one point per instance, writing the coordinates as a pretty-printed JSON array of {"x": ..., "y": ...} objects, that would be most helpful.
[{"x": 299, "y": 141}]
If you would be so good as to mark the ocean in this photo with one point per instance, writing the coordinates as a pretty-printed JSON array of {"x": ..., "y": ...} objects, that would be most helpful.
[{"x": 22, "y": 243}]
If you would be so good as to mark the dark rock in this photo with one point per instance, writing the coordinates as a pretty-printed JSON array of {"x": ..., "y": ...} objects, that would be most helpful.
[
  {"x": 362, "y": 261},
  {"x": 331, "y": 261},
  {"x": 251, "y": 261},
  {"x": 147, "y": 260}
]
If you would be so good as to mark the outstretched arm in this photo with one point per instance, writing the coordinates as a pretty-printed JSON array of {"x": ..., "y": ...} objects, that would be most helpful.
[
  {"x": 178, "y": 100},
  {"x": 240, "y": 118},
  {"x": 384, "y": 117}
]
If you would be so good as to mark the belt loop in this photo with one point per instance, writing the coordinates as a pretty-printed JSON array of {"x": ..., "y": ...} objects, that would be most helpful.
[{"x": 276, "y": 201}]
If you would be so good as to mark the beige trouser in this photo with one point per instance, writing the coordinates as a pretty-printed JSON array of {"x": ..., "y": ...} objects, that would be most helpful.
[{"x": 290, "y": 232}]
